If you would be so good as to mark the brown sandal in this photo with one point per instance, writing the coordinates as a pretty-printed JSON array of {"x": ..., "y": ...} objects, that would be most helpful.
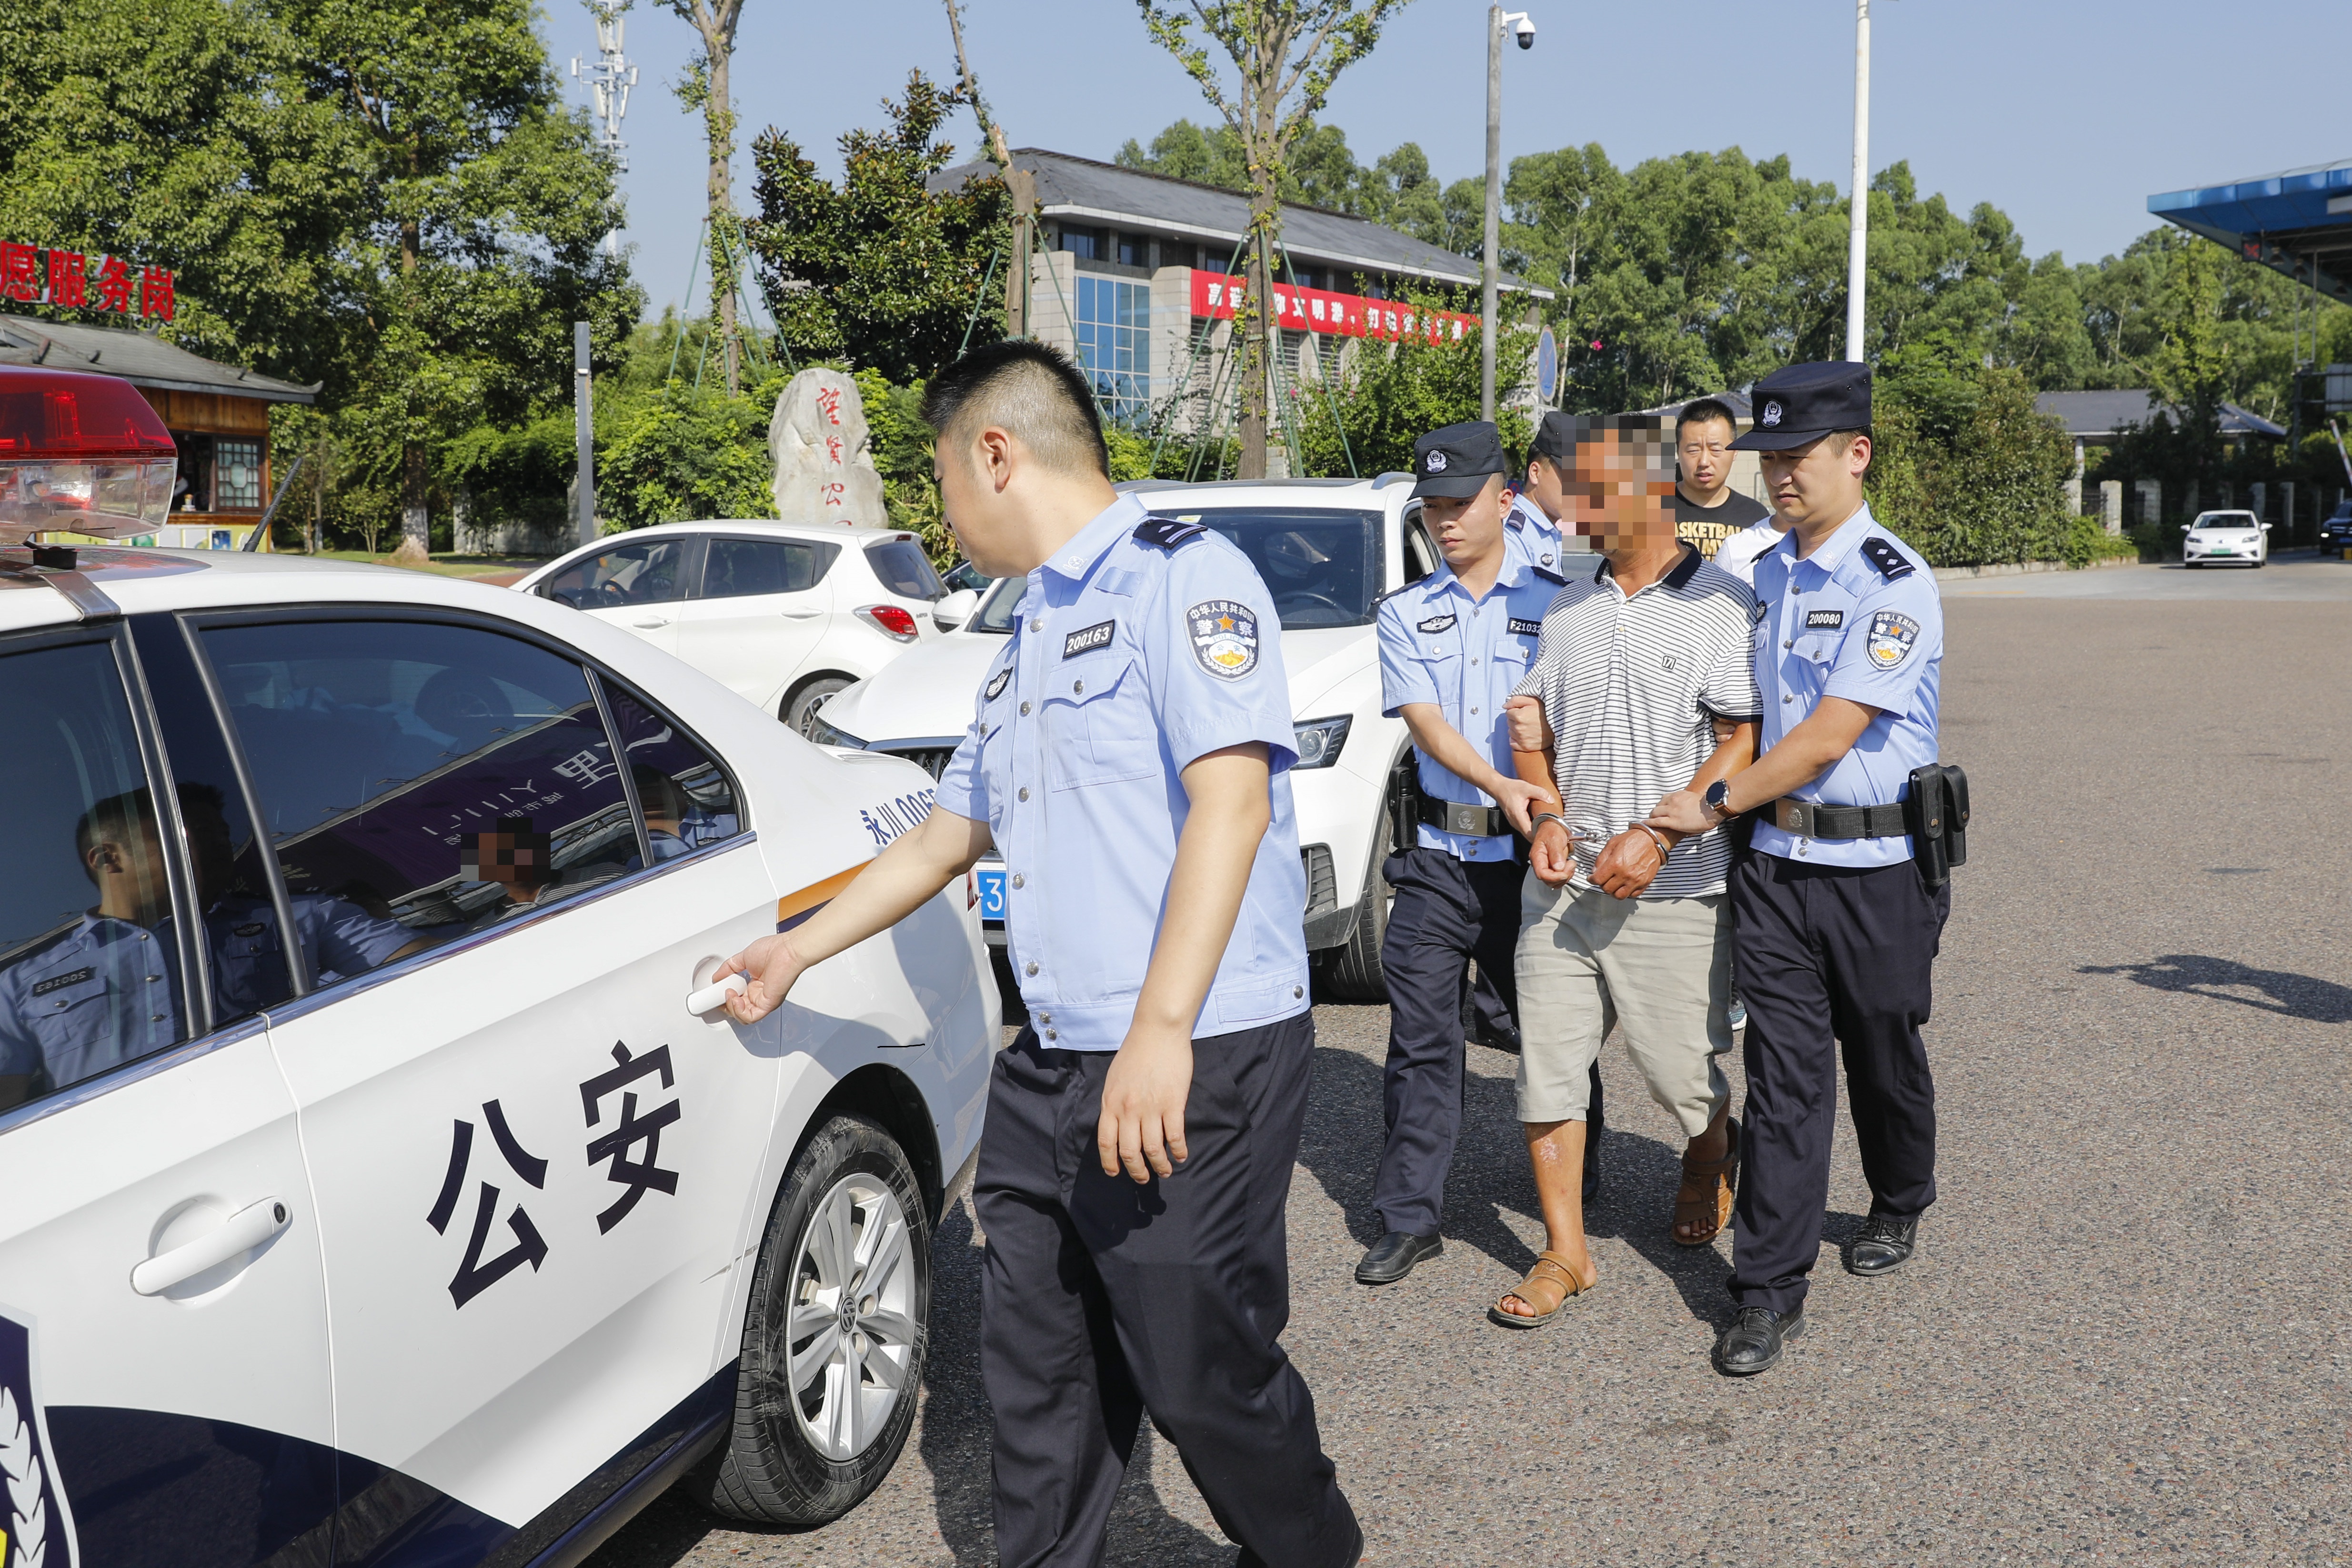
[
  {"x": 1710, "y": 1206},
  {"x": 1552, "y": 1273}
]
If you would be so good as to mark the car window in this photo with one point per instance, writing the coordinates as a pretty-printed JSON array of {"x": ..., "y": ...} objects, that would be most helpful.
[
  {"x": 688, "y": 800},
  {"x": 439, "y": 779},
  {"x": 649, "y": 571},
  {"x": 1322, "y": 566},
  {"x": 1420, "y": 555},
  {"x": 996, "y": 610},
  {"x": 905, "y": 570},
  {"x": 736, "y": 568},
  {"x": 2228, "y": 520},
  {"x": 89, "y": 963}
]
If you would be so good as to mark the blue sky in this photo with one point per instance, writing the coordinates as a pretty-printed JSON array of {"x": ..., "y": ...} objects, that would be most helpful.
[{"x": 2065, "y": 113}]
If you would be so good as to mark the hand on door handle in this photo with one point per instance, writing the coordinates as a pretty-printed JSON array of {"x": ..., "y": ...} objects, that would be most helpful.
[
  {"x": 710, "y": 998},
  {"x": 248, "y": 1228}
]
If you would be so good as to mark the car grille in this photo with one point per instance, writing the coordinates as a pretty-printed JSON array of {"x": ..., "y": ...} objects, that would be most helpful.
[
  {"x": 932, "y": 760},
  {"x": 1322, "y": 886}
]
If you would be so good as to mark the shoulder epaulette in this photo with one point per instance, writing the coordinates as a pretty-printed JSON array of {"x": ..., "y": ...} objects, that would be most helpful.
[
  {"x": 1887, "y": 558},
  {"x": 1167, "y": 532},
  {"x": 1548, "y": 575},
  {"x": 1400, "y": 588}
]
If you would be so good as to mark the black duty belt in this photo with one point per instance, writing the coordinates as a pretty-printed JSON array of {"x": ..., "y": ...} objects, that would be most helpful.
[
  {"x": 1807, "y": 819},
  {"x": 1453, "y": 816}
]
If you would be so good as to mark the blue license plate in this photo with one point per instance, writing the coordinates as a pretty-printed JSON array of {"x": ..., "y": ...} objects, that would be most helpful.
[{"x": 991, "y": 892}]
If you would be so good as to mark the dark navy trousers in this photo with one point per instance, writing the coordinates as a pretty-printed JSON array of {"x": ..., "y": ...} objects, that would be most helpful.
[
  {"x": 1832, "y": 959},
  {"x": 1447, "y": 912},
  {"x": 1101, "y": 1299}
]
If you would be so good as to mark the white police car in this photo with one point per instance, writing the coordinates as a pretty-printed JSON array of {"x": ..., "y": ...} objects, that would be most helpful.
[
  {"x": 439, "y": 1230},
  {"x": 2230, "y": 538},
  {"x": 1328, "y": 550}
]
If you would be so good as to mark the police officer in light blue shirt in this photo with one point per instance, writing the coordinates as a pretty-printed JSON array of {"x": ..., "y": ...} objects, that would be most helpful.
[
  {"x": 1836, "y": 925},
  {"x": 1127, "y": 759},
  {"x": 1532, "y": 527},
  {"x": 1454, "y": 646}
]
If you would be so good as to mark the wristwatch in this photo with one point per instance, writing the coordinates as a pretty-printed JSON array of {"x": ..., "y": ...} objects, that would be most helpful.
[{"x": 1717, "y": 799}]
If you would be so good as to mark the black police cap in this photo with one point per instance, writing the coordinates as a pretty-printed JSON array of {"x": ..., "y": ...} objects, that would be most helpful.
[
  {"x": 1457, "y": 459},
  {"x": 1555, "y": 437},
  {"x": 1799, "y": 404}
]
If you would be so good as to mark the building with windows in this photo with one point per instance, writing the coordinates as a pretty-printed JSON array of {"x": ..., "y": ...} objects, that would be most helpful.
[
  {"x": 218, "y": 416},
  {"x": 1138, "y": 275}
]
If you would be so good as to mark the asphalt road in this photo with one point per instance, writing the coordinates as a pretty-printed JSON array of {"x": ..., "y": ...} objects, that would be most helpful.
[{"x": 2120, "y": 1340}]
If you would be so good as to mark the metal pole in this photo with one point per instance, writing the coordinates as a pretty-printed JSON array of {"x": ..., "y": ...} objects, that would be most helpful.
[
  {"x": 261, "y": 529},
  {"x": 1491, "y": 266},
  {"x": 583, "y": 434},
  {"x": 1858, "y": 227}
]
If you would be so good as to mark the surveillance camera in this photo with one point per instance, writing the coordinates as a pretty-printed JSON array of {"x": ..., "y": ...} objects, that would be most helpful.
[{"x": 1526, "y": 33}]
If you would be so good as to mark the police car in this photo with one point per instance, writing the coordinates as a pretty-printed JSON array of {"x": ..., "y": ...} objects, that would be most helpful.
[
  {"x": 1328, "y": 550},
  {"x": 374, "y": 1194}
]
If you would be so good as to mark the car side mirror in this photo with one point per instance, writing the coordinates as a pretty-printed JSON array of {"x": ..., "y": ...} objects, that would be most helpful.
[
  {"x": 955, "y": 609},
  {"x": 2266, "y": 527}
]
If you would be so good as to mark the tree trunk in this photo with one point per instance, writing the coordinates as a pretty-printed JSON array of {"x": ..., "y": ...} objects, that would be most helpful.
[
  {"x": 726, "y": 239},
  {"x": 1257, "y": 300},
  {"x": 415, "y": 522}
]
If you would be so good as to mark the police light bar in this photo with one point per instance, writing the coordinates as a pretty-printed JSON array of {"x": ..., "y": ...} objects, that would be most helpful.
[{"x": 81, "y": 454}]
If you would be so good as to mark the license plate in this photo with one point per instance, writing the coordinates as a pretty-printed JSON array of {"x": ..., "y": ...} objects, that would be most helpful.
[
  {"x": 991, "y": 892},
  {"x": 2221, "y": 553}
]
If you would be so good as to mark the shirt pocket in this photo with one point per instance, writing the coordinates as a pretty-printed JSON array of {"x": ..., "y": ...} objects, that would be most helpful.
[
  {"x": 1098, "y": 728},
  {"x": 78, "y": 1016},
  {"x": 1818, "y": 650}
]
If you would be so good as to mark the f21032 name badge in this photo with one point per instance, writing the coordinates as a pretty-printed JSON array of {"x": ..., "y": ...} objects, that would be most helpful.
[{"x": 1224, "y": 637}]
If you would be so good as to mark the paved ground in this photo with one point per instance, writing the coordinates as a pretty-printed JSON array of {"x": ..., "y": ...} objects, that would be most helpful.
[{"x": 2121, "y": 1340}]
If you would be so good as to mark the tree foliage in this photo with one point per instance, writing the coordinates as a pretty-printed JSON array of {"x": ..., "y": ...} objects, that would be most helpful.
[
  {"x": 880, "y": 271},
  {"x": 1386, "y": 395}
]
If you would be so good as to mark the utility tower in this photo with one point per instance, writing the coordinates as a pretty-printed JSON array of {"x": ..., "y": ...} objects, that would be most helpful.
[{"x": 610, "y": 77}]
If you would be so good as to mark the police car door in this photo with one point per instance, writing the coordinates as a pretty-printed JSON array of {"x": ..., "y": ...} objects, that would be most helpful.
[
  {"x": 164, "y": 1381},
  {"x": 534, "y": 1169}
]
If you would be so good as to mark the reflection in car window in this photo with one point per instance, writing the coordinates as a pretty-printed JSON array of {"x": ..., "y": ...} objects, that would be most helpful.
[
  {"x": 736, "y": 568},
  {"x": 688, "y": 800},
  {"x": 1322, "y": 567},
  {"x": 905, "y": 570},
  {"x": 442, "y": 777},
  {"x": 90, "y": 966},
  {"x": 649, "y": 571}
]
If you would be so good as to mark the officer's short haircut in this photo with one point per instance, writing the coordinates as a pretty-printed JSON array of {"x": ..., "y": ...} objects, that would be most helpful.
[
  {"x": 1027, "y": 389},
  {"x": 1701, "y": 409},
  {"x": 110, "y": 821}
]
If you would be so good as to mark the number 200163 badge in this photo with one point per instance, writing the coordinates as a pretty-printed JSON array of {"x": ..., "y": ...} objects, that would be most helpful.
[{"x": 1224, "y": 637}]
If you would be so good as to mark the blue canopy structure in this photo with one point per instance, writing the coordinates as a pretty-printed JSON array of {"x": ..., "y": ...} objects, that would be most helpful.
[{"x": 2298, "y": 223}]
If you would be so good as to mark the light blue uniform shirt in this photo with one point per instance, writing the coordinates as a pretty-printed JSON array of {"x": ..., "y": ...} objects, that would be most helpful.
[
  {"x": 107, "y": 991},
  {"x": 1531, "y": 536},
  {"x": 1439, "y": 645},
  {"x": 1850, "y": 621},
  {"x": 1129, "y": 661}
]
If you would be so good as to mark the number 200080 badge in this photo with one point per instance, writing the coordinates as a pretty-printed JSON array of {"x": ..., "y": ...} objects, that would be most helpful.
[{"x": 1224, "y": 637}]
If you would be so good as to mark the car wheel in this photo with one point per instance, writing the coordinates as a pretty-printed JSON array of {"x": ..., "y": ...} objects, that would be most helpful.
[
  {"x": 801, "y": 707},
  {"x": 833, "y": 1338}
]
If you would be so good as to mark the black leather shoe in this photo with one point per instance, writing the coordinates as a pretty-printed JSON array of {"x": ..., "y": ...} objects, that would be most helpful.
[
  {"x": 1392, "y": 1256},
  {"x": 1592, "y": 1132},
  {"x": 1495, "y": 1037},
  {"x": 1882, "y": 1246},
  {"x": 1249, "y": 1559},
  {"x": 1752, "y": 1343}
]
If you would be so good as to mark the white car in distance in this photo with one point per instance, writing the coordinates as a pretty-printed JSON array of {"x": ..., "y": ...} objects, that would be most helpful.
[
  {"x": 785, "y": 614},
  {"x": 2231, "y": 538},
  {"x": 1328, "y": 549}
]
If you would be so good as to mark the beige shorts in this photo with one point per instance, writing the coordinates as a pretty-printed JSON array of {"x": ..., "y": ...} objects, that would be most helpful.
[{"x": 1661, "y": 967}]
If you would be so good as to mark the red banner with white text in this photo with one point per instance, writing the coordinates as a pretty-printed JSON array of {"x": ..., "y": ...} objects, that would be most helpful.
[{"x": 1215, "y": 295}]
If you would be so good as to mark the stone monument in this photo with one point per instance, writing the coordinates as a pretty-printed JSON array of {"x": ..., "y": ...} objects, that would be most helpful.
[{"x": 824, "y": 467}]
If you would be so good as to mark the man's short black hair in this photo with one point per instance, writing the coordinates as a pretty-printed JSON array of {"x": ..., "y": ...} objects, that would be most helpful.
[
  {"x": 1703, "y": 408},
  {"x": 1028, "y": 389}
]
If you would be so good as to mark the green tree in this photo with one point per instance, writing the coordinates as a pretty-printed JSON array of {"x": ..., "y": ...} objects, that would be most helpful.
[
  {"x": 881, "y": 271},
  {"x": 1387, "y": 395}
]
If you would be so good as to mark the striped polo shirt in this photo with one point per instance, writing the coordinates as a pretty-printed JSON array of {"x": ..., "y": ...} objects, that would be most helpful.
[{"x": 1632, "y": 686}]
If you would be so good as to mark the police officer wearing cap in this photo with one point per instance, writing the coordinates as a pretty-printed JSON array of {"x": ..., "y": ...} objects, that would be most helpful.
[
  {"x": 1128, "y": 758},
  {"x": 1836, "y": 925},
  {"x": 1532, "y": 527},
  {"x": 1453, "y": 646}
]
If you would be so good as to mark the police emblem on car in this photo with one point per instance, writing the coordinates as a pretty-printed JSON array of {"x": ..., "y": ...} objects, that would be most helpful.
[
  {"x": 1088, "y": 639},
  {"x": 1224, "y": 637},
  {"x": 1891, "y": 637}
]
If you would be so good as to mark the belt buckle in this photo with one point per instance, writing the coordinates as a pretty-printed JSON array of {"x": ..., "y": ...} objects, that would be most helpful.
[
  {"x": 1794, "y": 816},
  {"x": 1468, "y": 820}
]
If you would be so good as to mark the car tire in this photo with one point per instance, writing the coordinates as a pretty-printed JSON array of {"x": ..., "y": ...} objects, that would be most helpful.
[
  {"x": 800, "y": 705},
  {"x": 804, "y": 1455},
  {"x": 1355, "y": 973}
]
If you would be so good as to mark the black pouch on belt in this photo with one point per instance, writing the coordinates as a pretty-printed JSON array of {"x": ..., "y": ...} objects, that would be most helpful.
[{"x": 1935, "y": 815}]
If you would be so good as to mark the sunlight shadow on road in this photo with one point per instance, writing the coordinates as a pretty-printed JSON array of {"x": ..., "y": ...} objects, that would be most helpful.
[{"x": 2276, "y": 990}]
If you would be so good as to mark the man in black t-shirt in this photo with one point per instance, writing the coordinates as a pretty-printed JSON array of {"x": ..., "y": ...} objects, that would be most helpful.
[{"x": 1707, "y": 512}]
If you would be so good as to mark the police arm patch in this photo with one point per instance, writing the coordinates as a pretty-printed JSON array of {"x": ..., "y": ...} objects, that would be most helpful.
[
  {"x": 1886, "y": 559},
  {"x": 1224, "y": 637},
  {"x": 1892, "y": 639}
]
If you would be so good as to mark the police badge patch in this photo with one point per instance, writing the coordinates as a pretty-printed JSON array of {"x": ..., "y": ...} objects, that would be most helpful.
[
  {"x": 997, "y": 684},
  {"x": 1891, "y": 639},
  {"x": 1224, "y": 637},
  {"x": 1436, "y": 623}
]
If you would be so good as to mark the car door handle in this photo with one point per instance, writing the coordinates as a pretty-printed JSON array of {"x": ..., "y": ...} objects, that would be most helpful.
[
  {"x": 248, "y": 1228},
  {"x": 657, "y": 621},
  {"x": 803, "y": 615},
  {"x": 712, "y": 997}
]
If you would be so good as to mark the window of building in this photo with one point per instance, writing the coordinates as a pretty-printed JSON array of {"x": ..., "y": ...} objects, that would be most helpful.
[
  {"x": 1134, "y": 250},
  {"x": 1084, "y": 243},
  {"x": 236, "y": 475},
  {"x": 1115, "y": 343}
]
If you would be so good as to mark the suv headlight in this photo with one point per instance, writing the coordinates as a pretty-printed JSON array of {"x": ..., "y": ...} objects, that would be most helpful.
[{"x": 1318, "y": 740}]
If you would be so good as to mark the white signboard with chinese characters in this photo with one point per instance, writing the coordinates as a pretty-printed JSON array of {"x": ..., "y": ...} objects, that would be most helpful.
[{"x": 824, "y": 468}]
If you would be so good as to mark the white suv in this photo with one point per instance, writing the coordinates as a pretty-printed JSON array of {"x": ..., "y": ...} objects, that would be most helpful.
[
  {"x": 1328, "y": 549},
  {"x": 782, "y": 613},
  {"x": 441, "y": 1224}
]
